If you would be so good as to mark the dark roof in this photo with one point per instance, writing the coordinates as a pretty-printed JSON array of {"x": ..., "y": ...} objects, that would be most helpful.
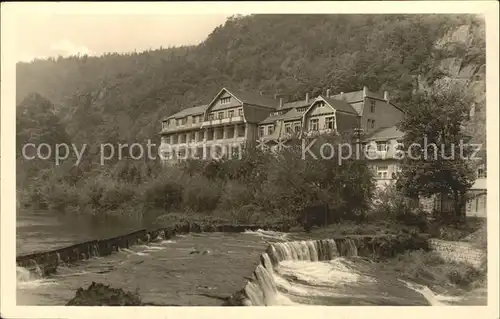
[
  {"x": 340, "y": 105},
  {"x": 272, "y": 118},
  {"x": 254, "y": 98},
  {"x": 299, "y": 103},
  {"x": 384, "y": 134},
  {"x": 289, "y": 115},
  {"x": 357, "y": 96},
  {"x": 189, "y": 111},
  {"x": 293, "y": 114}
]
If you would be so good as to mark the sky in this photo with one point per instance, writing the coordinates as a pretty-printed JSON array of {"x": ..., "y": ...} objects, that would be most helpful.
[{"x": 47, "y": 34}]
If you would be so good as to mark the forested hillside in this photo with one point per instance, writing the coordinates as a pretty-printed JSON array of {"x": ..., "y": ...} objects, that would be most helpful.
[{"x": 122, "y": 97}]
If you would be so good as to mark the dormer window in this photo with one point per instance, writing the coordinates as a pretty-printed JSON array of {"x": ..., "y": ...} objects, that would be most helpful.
[
  {"x": 225, "y": 100},
  {"x": 301, "y": 109}
]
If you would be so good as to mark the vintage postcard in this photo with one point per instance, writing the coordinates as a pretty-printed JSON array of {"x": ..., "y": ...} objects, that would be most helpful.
[{"x": 331, "y": 157}]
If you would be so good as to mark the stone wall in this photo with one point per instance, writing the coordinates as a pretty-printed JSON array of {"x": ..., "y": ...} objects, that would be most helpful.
[
  {"x": 459, "y": 252},
  {"x": 46, "y": 263}
]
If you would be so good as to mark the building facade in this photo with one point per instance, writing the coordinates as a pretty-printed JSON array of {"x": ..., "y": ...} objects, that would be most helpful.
[{"x": 235, "y": 120}]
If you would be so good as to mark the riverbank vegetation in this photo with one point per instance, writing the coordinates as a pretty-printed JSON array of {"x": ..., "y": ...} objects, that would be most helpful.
[{"x": 121, "y": 98}]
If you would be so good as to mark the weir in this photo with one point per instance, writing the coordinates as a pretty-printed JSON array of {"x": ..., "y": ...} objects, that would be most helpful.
[
  {"x": 263, "y": 287},
  {"x": 43, "y": 264}
]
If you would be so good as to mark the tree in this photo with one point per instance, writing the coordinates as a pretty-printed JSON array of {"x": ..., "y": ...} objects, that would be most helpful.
[{"x": 436, "y": 156}]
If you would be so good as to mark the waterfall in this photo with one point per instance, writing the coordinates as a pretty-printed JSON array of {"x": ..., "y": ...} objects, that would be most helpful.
[
  {"x": 38, "y": 270},
  {"x": 23, "y": 274},
  {"x": 261, "y": 289},
  {"x": 95, "y": 250}
]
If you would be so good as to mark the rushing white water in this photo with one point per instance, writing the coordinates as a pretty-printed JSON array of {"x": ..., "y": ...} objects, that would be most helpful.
[
  {"x": 323, "y": 272},
  {"x": 308, "y": 272},
  {"x": 269, "y": 234}
]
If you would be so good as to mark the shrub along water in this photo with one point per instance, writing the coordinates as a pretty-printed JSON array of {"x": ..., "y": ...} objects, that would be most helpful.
[{"x": 260, "y": 187}]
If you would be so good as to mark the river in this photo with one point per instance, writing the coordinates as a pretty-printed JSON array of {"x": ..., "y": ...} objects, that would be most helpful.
[{"x": 197, "y": 269}]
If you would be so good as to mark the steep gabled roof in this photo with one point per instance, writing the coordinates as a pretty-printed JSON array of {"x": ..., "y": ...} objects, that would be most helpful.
[
  {"x": 340, "y": 105},
  {"x": 384, "y": 134},
  {"x": 254, "y": 98},
  {"x": 299, "y": 103},
  {"x": 357, "y": 96},
  {"x": 272, "y": 118},
  {"x": 290, "y": 112},
  {"x": 293, "y": 114},
  {"x": 195, "y": 110}
]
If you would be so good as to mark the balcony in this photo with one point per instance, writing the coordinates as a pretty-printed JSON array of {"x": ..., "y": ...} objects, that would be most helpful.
[
  {"x": 223, "y": 121},
  {"x": 180, "y": 128}
]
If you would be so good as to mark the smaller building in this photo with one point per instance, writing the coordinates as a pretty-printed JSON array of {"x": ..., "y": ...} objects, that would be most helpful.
[
  {"x": 381, "y": 150},
  {"x": 477, "y": 199}
]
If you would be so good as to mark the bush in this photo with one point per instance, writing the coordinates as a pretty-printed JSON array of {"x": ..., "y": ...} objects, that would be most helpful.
[
  {"x": 162, "y": 193},
  {"x": 235, "y": 195},
  {"x": 200, "y": 194},
  {"x": 389, "y": 204}
]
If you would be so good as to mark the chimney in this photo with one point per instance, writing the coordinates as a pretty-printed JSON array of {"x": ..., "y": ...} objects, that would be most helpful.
[
  {"x": 327, "y": 92},
  {"x": 365, "y": 91},
  {"x": 386, "y": 96},
  {"x": 281, "y": 102},
  {"x": 341, "y": 95},
  {"x": 307, "y": 98}
]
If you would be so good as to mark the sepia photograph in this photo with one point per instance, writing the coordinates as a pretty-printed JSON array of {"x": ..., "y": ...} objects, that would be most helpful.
[{"x": 250, "y": 159}]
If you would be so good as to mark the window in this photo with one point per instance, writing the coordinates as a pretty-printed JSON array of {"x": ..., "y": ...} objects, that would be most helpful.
[
  {"x": 288, "y": 128},
  {"x": 261, "y": 131},
  {"x": 329, "y": 123},
  {"x": 179, "y": 122},
  {"x": 240, "y": 112},
  {"x": 313, "y": 124},
  {"x": 181, "y": 153},
  {"x": 230, "y": 114},
  {"x": 372, "y": 106},
  {"x": 382, "y": 146},
  {"x": 210, "y": 116},
  {"x": 371, "y": 123},
  {"x": 296, "y": 127},
  {"x": 225, "y": 100},
  {"x": 270, "y": 129},
  {"x": 195, "y": 119},
  {"x": 301, "y": 109},
  {"x": 382, "y": 171},
  {"x": 220, "y": 115},
  {"x": 481, "y": 172},
  {"x": 164, "y": 124}
]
